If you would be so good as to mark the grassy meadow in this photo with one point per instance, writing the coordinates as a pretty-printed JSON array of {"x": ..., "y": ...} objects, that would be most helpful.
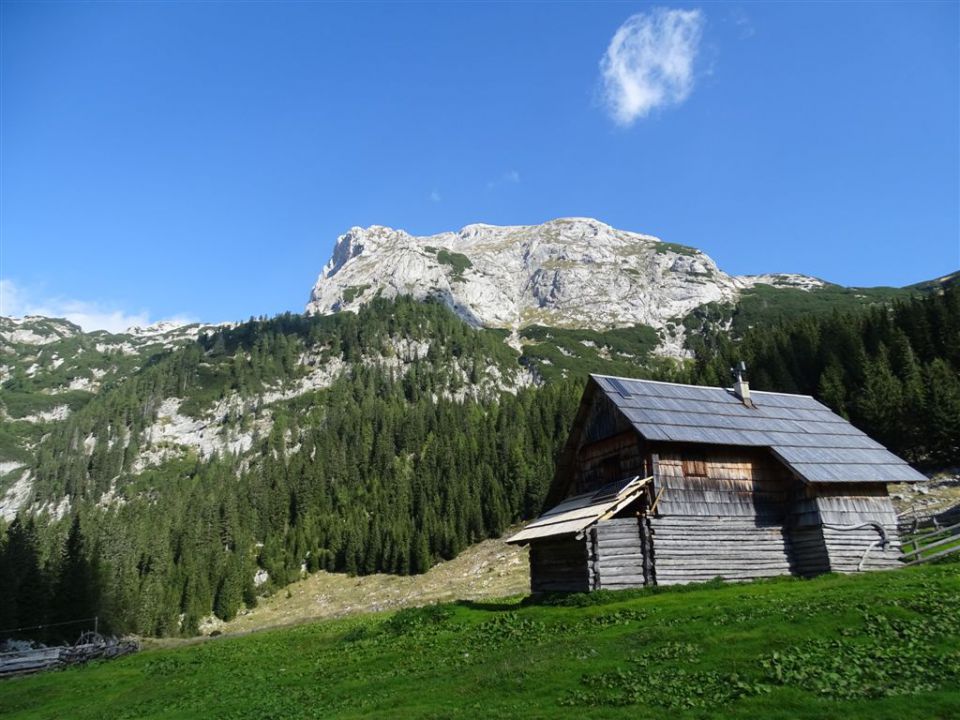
[{"x": 882, "y": 645}]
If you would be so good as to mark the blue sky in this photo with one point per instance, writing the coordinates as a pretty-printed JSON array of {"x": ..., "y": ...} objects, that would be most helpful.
[{"x": 199, "y": 159}]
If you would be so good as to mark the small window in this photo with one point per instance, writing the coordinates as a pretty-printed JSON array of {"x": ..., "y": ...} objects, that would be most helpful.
[{"x": 695, "y": 466}]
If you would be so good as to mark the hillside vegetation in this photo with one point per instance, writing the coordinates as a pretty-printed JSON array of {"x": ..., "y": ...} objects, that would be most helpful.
[
  {"x": 884, "y": 645},
  {"x": 385, "y": 442},
  {"x": 400, "y": 461}
]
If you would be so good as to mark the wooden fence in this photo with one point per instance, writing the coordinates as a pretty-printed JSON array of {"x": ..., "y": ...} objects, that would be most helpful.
[
  {"x": 944, "y": 541},
  {"x": 91, "y": 646}
]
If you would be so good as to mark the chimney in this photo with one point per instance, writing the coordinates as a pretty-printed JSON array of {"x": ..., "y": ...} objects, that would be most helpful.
[{"x": 741, "y": 388}]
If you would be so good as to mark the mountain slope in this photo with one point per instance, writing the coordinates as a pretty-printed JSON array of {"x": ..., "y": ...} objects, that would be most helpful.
[
  {"x": 569, "y": 273},
  {"x": 50, "y": 368},
  {"x": 377, "y": 442}
]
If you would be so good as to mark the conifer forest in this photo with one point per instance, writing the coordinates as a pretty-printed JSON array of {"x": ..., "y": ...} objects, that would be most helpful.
[{"x": 400, "y": 461}]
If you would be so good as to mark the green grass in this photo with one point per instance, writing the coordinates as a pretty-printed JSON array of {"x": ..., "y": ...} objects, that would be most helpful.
[
  {"x": 15, "y": 437},
  {"x": 883, "y": 645},
  {"x": 20, "y": 404},
  {"x": 458, "y": 261},
  {"x": 937, "y": 284},
  {"x": 352, "y": 292}
]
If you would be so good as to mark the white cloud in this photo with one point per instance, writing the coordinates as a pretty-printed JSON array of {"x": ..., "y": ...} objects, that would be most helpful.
[
  {"x": 649, "y": 62},
  {"x": 435, "y": 196},
  {"x": 16, "y": 301},
  {"x": 510, "y": 177}
]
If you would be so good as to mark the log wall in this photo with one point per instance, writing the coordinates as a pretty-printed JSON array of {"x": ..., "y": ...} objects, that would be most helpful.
[
  {"x": 618, "y": 553},
  {"x": 808, "y": 550},
  {"x": 559, "y": 565},
  {"x": 728, "y": 523},
  {"x": 696, "y": 549}
]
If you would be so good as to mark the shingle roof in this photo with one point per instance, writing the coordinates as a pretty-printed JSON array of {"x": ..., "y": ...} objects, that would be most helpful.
[
  {"x": 814, "y": 442},
  {"x": 576, "y": 514}
]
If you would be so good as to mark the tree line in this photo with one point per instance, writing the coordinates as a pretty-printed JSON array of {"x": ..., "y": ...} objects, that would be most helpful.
[{"x": 892, "y": 370}]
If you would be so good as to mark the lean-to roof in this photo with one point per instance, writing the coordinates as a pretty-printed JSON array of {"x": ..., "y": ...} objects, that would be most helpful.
[{"x": 576, "y": 514}]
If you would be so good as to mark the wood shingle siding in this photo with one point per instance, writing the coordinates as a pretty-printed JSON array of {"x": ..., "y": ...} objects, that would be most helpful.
[{"x": 738, "y": 482}]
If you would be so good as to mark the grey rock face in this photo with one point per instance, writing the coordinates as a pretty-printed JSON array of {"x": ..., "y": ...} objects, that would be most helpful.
[{"x": 570, "y": 272}]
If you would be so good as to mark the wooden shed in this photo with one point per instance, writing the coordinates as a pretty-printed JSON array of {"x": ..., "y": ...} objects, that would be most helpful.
[{"x": 661, "y": 483}]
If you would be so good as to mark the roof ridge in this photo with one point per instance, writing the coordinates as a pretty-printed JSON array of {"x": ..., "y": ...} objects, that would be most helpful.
[
  {"x": 688, "y": 385},
  {"x": 771, "y": 392}
]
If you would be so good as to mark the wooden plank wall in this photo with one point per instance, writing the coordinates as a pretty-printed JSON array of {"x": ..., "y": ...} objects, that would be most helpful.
[
  {"x": 840, "y": 504},
  {"x": 699, "y": 548},
  {"x": 607, "y": 436},
  {"x": 619, "y": 554},
  {"x": 728, "y": 524},
  {"x": 808, "y": 551},
  {"x": 559, "y": 565},
  {"x": 597, "y": 420}
]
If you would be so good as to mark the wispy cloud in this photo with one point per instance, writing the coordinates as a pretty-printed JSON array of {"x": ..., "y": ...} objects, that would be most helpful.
[
  {"x": 745, "y": 28},
  {"x": 649, "y": 62},
  {"x": 510, "y": 177},
  {"x": 16, "y": 301},
  {"x": 434, "y": 196}
]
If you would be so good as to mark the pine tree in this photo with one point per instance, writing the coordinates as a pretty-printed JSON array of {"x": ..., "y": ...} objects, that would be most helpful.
[
  {"x": 943, "y": 408},
  {"x": 26, "y": 591},
  {"x": 76, "y": 597}
]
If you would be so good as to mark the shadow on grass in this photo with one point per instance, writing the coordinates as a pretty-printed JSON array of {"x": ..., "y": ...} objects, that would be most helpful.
[
  {"x": 607, "y": 597},
  {"x": 504, "y": 605}
]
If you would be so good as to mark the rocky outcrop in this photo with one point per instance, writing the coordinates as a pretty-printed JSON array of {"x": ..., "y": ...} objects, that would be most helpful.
[
  {"x": 35, "y": 330},
  {"x": 571, "y": 272}
]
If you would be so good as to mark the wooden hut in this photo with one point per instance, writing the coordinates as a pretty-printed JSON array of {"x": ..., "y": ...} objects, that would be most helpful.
[{"x": 661, "y": 483}]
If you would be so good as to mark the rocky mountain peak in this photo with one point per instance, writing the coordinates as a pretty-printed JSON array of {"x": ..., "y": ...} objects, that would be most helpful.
[{"x": 568, "y": 272}]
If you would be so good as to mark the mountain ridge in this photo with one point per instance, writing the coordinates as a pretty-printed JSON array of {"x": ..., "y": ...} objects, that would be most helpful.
[{"x": 570, "y": 272}]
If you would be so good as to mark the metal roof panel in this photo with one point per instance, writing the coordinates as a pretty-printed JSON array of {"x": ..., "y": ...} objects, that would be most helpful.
[
  {"x": 840, "y": 473},
  {"x": 806, "y": 435}
]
